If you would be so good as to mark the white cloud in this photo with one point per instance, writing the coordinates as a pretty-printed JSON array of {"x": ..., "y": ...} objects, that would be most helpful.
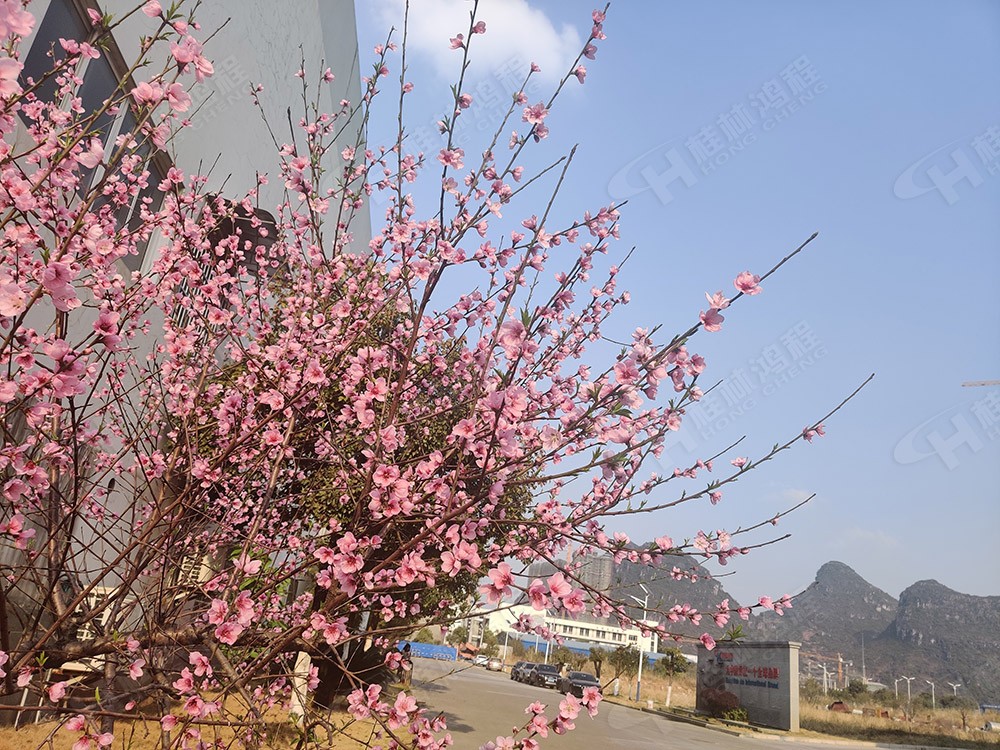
[
  {"x": 858, "y": 538},
  {"x": 515, "y": 31}
]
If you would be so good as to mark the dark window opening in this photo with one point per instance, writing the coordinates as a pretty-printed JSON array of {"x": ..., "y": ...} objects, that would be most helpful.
[{"x": 61, "y": 21}]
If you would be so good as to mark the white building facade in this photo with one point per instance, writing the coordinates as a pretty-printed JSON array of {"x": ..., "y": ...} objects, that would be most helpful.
[{"x": 605, "y": 632}]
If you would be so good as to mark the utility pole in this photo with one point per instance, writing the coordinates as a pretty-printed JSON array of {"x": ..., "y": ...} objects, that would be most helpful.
[
  {"x": 908, "y": 681},
  {"x": 825, "y": 678},
  {"x": 642, "y": 656},
  {"x": 864, "y": 674},
  {"x": 933, "y": 701}
]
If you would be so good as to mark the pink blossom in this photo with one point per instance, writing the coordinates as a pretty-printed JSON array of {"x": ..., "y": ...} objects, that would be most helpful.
[
  {"x": 479, "y": 28},
  {"x": 12, "y": 297},
  {"x": 707, "y": 640},
  {"x": 135, "y": 668},
  {"x": 559, "y": 587},
  {"x": 712, "y": 320},
  {"x": 747, "y": 283},
  {"x": 147, "y": 92},
  {"x": 717, "y": 301},
  {"x": 168, "y": 722},
  {"x": 580, "y": 72},
  {"x": 739, "y": 462},
  {"x": 217, "y": 612},
  {"x": 14, "y": 20},
  {"x": 536, "y": 593},
  {"x": 458, "y": 41},
  {"x": 10, "y": 69},
  {"x": 535, "y": 114},
  {"x": 57, "y": 691},
  {"x": 152, "y": 9},
  {"x": 229, "y": 632},
  {"x": 202, "y": 666},
  {"x": 452, "y": 157},
  {"x": 93, "y": 155},
  {"x": 178, "y": 99},
  {"x": 511, "y": 336},
  {"x": 77, "y": 724},
  {"x": 184, "y": 683},
  {"x": 810, "y": 432}
]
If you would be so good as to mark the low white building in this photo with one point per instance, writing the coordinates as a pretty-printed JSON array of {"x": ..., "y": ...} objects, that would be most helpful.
[{"x": 583, "y": 629}]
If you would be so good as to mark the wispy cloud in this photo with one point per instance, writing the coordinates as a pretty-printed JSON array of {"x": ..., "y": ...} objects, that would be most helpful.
[
  {"x": 854, "y": 538},
  {"x": 516, "y": 32}
]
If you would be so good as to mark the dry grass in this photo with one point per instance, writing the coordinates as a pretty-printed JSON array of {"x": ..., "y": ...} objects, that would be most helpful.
[
  {"x": 654, "y": 688},
  {"x": 942, "y": 728},
  {"x": 276, "y": 733}
]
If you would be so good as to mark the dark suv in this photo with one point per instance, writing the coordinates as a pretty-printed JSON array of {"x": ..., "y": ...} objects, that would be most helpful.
[
  {"x": 520, "y": 670},
  {"x": 544, "y": 675}
]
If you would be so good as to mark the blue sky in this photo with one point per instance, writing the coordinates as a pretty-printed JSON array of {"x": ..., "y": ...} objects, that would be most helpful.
[{"x": 734, "y": 132}]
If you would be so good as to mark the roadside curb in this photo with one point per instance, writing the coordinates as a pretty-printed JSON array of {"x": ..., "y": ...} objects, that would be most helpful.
[{"x": 758, "y": 735}]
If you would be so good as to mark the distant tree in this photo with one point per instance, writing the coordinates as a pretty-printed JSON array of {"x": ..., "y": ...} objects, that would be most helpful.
[
  {"x": 598, "y": 656},
  {"x": 458, "y": 635},
  {"x": 673, "y": 662},
  {"x": 424, "y": 635},
  {"x": 564, "y": 655},
  {"x": 961, "y": 703},
  {"x": 624, "y": 660},
  {"x": 811, "y": 689},
  {"x": 857, "y": 688},
  {"x": 490, "y": 645}
]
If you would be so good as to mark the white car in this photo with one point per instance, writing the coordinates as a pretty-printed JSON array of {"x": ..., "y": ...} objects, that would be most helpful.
[{"x": 480, "y": 661}]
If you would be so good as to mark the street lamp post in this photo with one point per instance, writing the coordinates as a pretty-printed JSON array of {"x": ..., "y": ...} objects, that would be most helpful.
[
  {"x": 642, "y": 657},
  {"x": 908, "y": 681},
  {"x": 933, "y": 701},
  {"x": 954, "y": 687},
  {"x": 896, "y": 685}
]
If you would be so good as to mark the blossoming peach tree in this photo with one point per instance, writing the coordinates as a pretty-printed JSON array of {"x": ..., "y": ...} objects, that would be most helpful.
[{"x": 234, "y": 477}]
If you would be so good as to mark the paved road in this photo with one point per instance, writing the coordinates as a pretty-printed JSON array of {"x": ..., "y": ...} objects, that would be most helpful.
[{"x": 480, "y": 705}]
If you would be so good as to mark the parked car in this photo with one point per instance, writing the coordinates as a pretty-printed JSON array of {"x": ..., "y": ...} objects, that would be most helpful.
[
  {"x": 480, "y": 661},
  {"x": 520, "y": 670},
  {"x": 494, "y": 665},
  {"x": 544, "y": 675},
  {"x": 575, "y": 682}
]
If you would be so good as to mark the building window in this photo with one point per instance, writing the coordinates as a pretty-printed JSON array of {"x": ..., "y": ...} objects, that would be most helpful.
[
  {"x": 61, "y": 21},
  {"x": 66, "y": 19}
]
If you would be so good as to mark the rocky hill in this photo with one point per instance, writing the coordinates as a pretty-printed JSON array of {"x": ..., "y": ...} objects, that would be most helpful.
[
  {"x": 697, "y": 588},
  {"x": 694, "y": 586},
  {"x": 931, "y": 632},
  {"x": 831, "y": 614}
]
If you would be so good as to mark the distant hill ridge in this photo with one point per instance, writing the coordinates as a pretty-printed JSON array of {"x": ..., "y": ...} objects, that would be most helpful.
[{"x": 931, "y": 632}]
